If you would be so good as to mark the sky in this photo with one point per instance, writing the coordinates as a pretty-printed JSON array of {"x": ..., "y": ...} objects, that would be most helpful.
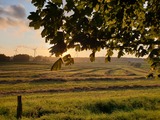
[{"x": 16, "y": 37}]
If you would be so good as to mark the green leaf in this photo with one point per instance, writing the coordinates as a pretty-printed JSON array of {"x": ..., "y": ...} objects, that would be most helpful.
[
  {"x": 44, "y": 32},
  {"x": 77, "y": 48},
  {"x": 154, "y": 52},
  {"x": 109, "y": 52},
  {"x": 58, "y": 2},
  {"x": 57, "y": 65},
  {"x": 97, "y": 7},
  {"x": 153, "y": 66},
  {"x": 36, "y": 25},
  {"x": 92, "y": 57},
  {"x": 107, "y": 59},
  {"x": 35, "y": 20},
  {"x": 58, "y": 49},
  {"x": 38, "y": 3},
  {"x": 120, "y": 53},
  {"x": 69, "y": 5},
  {"x": 68, "y": 60},
  {"x": 66, "y": 57}
]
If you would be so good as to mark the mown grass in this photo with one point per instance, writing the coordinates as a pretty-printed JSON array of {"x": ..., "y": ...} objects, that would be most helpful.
[
  {"x": 92, "y": 91},
  {"x": 67, "y": 85},
  {"x": 28, "y": 77}
]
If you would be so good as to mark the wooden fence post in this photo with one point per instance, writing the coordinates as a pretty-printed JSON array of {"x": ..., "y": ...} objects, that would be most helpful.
[{"x": 19, "y": 107}]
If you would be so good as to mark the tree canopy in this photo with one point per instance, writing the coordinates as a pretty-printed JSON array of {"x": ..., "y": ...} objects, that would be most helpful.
[{"x": 127, "y": 26}]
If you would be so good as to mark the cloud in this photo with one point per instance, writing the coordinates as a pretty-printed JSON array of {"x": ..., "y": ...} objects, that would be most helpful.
[
  {"x": 28, "y": 0},
  {"x": 7, "y": 22},
  {"x": 13, "y": 15},
  {"x": 13, "y": 11}
]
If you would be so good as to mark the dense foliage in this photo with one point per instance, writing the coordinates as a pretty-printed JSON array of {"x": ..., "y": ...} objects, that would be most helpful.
[{"x": 127, "y": 26}]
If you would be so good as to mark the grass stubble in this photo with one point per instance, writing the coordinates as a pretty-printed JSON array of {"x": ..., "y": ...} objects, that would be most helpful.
[{"x": 92, "y": 92}]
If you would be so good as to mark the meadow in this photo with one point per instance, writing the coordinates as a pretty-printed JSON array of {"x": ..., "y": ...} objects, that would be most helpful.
[{"x": 83, "y": 91}]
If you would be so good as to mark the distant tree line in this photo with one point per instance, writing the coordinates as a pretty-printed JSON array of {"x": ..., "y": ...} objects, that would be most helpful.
[
  {"x": 4, "y": 58},
  {"x": 24, "y": 58},
  {"x": 21, "y": 58}
]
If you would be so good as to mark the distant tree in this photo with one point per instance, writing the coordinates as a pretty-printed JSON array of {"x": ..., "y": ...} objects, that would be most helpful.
[
  {"x": 38, "y": 59},
  {"x": 127, "y": 26},
  {"x": 21, "y": 58},
  {"x": 45, "y": 59},
  {"x": 4, "y": 58}
]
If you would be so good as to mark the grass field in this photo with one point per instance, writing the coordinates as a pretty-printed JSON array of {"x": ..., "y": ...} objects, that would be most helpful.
[{"x": 83, "y": 91}]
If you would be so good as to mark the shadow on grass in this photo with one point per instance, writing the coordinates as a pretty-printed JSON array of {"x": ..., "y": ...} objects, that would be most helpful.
[
  {"x": 62, "y": 80},
  {"x": 127, "y": 105}
]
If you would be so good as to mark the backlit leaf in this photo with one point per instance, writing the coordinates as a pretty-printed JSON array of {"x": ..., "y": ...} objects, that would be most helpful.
[
  {"x": 109, "y": 52},
  {"x": 58, "y": 2},
  {"x": 66, "y": 57},
  {"x": 107, "y": 59},
  {"x": 92, "y": 57},
  {"x": 68, "y": 60},
  {"x": 57, "y": 65}
]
